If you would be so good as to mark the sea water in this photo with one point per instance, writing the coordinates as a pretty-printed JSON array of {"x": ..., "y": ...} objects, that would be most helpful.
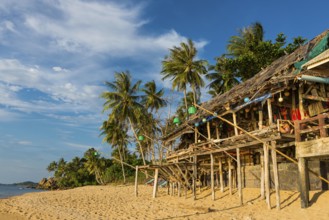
[{"x": 14, "y": 190}]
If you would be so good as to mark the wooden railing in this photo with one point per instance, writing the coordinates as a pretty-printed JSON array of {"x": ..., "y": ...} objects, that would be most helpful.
[{"x": 315, "y": 125}]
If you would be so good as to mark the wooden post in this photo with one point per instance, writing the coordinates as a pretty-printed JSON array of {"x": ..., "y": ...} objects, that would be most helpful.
[
  {"x": 303, "y": 182},
  {"x": 168, "y": 187},
  {"x": 270, "y": 113},
  {"x": 276, "y": 175},
  {"x": 238, "y": 171},
  {"x": 221, "y": 179},
  {"x": 217, "y": 132},
  {"x": 230, "y": 175},
  {"x": 136, "y": 182},
  {"x": 260, "y": 119},
  {"x": 179, "y": 189},
  {"x": 300, "y": 96},
  {"x": 267, "y": 176},
  {"x": 155, "y": 185},
  {"x": 195, "y": 175},
  {"x": 212, "y": 176},
  {"x": 262, "y": 175},
  {"x": 195, "y": 135}
]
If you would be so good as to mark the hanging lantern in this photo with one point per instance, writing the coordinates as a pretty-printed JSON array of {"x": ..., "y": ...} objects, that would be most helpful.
[
  {"x": 286, "y": 93},
  {"x": 191, "y": 110},
  {"x": 246, "y": 99},
  {"x": 196, "y": 124},
  {"x": 95, "y": 153},
  {"x": 254, "y": 108},
  {"x": 176, "y": 120},
  {"x": 204, "y": 120},
  {"x": 280, "y": 98},
  {"x": 247, "y": 109},
  {"x": 141, "y": 138},
  {"x": 215, "y": 114}
]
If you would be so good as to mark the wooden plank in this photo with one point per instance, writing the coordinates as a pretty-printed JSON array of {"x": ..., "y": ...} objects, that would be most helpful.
[
  {"x": 313, "y": 148},
  {"x": 136, "y": 182},
  {"x": 303, "y": 182},
  {"x": 267, "y": 176},
  {"x": 155, "y": 185},
  {"x": 276, "y": 175},
  {"x": 317, "y": 98},
  {"x": 212, "y": 177}
]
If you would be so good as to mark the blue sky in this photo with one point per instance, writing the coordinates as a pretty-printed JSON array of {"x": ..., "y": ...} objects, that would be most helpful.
[{"x": 56, "y": 54}]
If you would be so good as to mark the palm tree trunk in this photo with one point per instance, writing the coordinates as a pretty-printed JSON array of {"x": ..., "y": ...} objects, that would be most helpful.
[
  {"x": 185, "y": 99},
  {"x": 122, "y": 167},
  {"x": 140, "y": 146}
]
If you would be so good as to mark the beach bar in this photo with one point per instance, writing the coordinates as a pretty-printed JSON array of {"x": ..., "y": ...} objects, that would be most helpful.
[{"x": 269, "y": 132}]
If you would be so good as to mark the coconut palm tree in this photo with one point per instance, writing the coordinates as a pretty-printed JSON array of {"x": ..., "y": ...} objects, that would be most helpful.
[
  {"x": 95, "y": 165},
  {"x": 222, "y": 78},
  {"x": 248, "y": 38},
  {"x": 182, "y": 68},
  {"x": 117, "y": 136},
  {"x": 152, "y": 99},
  {"x": 124, "y": 102}
]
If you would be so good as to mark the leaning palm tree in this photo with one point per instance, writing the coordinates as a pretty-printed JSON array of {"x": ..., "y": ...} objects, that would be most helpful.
[
  {"x": 117, "y": 136},
  {"x": 95, "y": 165},
  {"x": 182, "y": 68},
  {"x": 124, "y": 102}
]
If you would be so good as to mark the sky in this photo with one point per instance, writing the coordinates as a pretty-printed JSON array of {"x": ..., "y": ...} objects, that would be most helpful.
[{"x": 55, "y": 56}]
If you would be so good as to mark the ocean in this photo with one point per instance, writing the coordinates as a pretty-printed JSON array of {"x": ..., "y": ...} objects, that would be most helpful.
[{"x": 13, "y": 190}]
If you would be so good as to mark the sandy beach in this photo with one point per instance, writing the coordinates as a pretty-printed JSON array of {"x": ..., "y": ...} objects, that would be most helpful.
[{"x": 119, "y": 202}]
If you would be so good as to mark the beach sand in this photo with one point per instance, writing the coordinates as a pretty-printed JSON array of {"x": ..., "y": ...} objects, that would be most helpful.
[{"x": 119, "y": 202}]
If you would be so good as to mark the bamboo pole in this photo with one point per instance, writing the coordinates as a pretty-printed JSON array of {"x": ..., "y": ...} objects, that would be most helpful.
[
  {"x": 238, "y": 162},
  {"x": 303, "y": 182},
  {"x": 262, "y": 175},
  {"x": 258, "y": 139},
  {"x": 269, "y": 110},
  {"x": 221, "y": 175},
  {"x": 155, "y": 185},
  {"x": 267, "y": 176},
  {"x": 195, "y": 175},
  {"x": 230, "y": 175},
  {"x": 212, "y": 177},
  {"x": 276, "y": 175},
  {"x": 136, "y": 182},
  {"x": 300, "y": 97}
]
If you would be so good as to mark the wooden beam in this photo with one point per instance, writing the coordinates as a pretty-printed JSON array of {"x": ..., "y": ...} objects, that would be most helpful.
[
  {"x": 300, "y": 96},
  {"x": 238, "y": 162},
  {"x": 270, "y": 113},
  {"x": 276, "y": 175},
  {"x": 212, "y": 177},
  {"x": 262, "y": 175},
  {"x": 260, "y": 119},
  {"x": 303, "y": 182},
  {"x": 136, "y": 182},
  {"x": 317, "y": 98},
  {"x": 230, "y": 175},
  {"x": 221, "y": 179},
  {"x": 267, "y": 176}
]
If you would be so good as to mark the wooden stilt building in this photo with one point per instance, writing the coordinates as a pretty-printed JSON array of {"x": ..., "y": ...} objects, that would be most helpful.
[{"x": 273, "y": 126}]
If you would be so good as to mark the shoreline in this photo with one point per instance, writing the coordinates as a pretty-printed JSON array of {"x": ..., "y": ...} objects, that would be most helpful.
[{"x": 119, "y": 202}]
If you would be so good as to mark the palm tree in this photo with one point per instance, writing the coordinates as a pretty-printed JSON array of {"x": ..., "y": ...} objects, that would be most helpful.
[
  {"x": 153, "y": 99},
  {"x": 95, "y": 165},
  {"x": 117, "y": 136},
  {"x": 182, "y": 68},
  {"x": 124, "y": 102},
  {"x": 222, "y": 78},
  {"x": 248, "y": 38}
]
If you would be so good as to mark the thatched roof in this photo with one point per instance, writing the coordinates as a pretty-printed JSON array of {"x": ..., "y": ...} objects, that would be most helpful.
[{"x": 273, "y": 79}]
